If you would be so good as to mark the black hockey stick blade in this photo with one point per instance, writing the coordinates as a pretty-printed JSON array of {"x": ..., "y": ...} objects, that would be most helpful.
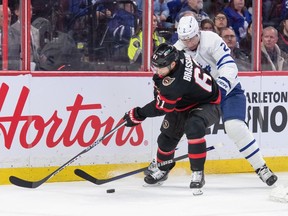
[
  {"x": 96, "y": 181},
  {"x": 92, "y": 179},
  {"x": 27, "y": 184},
  {"x": 34, "y": 184}
]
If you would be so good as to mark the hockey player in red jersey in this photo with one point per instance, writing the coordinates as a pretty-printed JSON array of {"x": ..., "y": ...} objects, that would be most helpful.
[{"x": 189, "y": 98}]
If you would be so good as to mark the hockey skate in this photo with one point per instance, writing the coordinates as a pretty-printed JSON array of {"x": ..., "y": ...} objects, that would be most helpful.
[
  {"x": 151, "y": 168},
  {"x": 266, "y": 175},
  {"x": 157, "y": 176},
  {"x": 197, "y": 182}
]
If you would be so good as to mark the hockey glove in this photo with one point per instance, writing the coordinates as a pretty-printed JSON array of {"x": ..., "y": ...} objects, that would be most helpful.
[
  {"x": 133, "y": 117},
  {"x": 224, "y": 85}
]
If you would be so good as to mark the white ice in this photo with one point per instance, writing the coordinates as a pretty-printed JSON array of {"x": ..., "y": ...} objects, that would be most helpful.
[{"x": 224, "y": 195}]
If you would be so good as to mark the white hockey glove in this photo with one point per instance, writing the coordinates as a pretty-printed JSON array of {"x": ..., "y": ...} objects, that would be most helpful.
[{"x": 224, "y": 85}]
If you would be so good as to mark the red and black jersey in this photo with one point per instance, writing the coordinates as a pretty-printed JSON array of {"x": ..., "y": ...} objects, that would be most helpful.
[{"x": 185, "y": 87}]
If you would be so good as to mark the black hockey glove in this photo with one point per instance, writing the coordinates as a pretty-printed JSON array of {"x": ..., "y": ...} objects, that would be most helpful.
[{"x": 133, "y": 118}]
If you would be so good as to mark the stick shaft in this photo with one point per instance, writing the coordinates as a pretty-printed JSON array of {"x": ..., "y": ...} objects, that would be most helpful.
[
  {"x": 34, "y": 184},
  {"x": 88, "y": 177}
]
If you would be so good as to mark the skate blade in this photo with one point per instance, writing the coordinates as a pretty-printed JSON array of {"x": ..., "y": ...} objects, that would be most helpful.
[
  {"x": 153, "y": 185},
  {"x": 197, "y": 191}
]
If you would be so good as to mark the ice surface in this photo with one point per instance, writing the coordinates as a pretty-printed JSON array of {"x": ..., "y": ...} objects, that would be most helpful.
[{"x": 224, "y": 195}]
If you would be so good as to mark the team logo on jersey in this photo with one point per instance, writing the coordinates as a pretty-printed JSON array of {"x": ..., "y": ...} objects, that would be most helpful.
[
  {"x": 165, "y": 124},
  {"x": 207, "y": 68},
  {"x": 167, "y": 81}
]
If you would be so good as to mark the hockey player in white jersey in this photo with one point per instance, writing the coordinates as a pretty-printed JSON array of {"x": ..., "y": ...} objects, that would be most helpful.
[{"x": 212, "y": 53}]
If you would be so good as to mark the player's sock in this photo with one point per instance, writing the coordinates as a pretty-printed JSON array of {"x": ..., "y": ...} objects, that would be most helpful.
[{"x": 239, "y": 132}]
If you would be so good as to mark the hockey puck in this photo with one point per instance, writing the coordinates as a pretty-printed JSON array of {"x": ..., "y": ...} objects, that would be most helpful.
[{"x": 110, "y": 190}]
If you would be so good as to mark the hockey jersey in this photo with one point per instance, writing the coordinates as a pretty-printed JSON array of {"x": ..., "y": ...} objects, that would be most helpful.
[
  {"x": 213, "y": 55},
  {"x": 185, "y": 87}
]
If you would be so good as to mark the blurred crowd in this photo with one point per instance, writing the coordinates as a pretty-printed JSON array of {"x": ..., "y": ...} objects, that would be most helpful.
[{"x": 107, "y": 34}]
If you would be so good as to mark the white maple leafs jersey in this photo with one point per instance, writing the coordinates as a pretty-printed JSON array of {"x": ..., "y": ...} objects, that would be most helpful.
[{"x": 213, "y": 55}]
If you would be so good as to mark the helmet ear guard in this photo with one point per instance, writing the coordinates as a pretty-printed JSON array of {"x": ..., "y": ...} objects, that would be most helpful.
[
  {"x": 187, "y": 28},
  {"x": 164, "y": 55}
]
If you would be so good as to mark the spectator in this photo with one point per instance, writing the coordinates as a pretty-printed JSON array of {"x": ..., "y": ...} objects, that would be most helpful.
[
  {"x": 62, "y": 54},
  {"x": 283, "y": 35},
  {"x": 186, "y": 13},
  {"x": 197, "y": 7},
  {"x": 284, "y": 9},
  {"x": 14, "y": 43},
  {"x": 245, "y": 43},
  {"x": 121, "y": 25},
  {"x": 106, "y": 10},
  {"x": 77, "y": 8},
  {"x": 220, "y": 21},
  {"x": 249, "y": 5},
  {"x": 139, "y": 4},
  {"x": 207, "y": 25},
  {"x": 45, "y": 30},
  {"x": 174, "y": 8},
  {"x": 241, "y": 59},
  {"x": 272, "y": 58},
  {"x": 104, "y": 13},
  {"x": 213, "y": 7},
  {"x": 2, "y": 17},
  {"x": 1, "y": 25},
  {"x": 135, "y": 44},
  {"x": 266, "y": 7},
  {"x": 238, "y": 17},
  {"x": 162, "y": 12},
  {"x": 272, "y": 12}
]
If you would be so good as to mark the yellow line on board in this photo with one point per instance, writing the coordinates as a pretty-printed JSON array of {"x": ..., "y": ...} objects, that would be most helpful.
[{"x": 277, "y": 164}]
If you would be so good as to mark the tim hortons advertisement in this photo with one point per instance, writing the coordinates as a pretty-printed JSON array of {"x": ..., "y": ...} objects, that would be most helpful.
[{"x": 45, "y": 121}]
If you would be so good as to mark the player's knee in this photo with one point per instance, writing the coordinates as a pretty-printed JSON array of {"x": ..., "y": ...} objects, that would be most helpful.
[
  {"x": 240, "y": 134},
  {"x": 235, "y": 128},
  {"x": 195, "y": 128},
  {"x": 167, "y": 143}
]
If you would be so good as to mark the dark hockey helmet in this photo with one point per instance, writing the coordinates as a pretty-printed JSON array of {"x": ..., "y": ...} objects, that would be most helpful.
[{"x": 164, "y": 55}]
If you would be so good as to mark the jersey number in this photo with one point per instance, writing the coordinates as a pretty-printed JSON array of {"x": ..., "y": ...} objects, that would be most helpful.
[
  {"x": 160, "y": 102},
  {"x": 225, "y": 48},
  {"x": 202, "y": 80}
]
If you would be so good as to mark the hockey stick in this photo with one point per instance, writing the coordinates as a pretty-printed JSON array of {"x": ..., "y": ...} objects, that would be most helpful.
[
  {"x": 34, "y": 184},
  {"x": 96, "y": 181}
]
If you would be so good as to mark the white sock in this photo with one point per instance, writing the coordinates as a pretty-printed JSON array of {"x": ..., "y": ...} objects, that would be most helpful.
[{"x": 238, "y": 131}]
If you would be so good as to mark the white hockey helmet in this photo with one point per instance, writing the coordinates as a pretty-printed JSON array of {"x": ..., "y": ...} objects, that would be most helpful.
[{"x": 187, "y": 28}]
